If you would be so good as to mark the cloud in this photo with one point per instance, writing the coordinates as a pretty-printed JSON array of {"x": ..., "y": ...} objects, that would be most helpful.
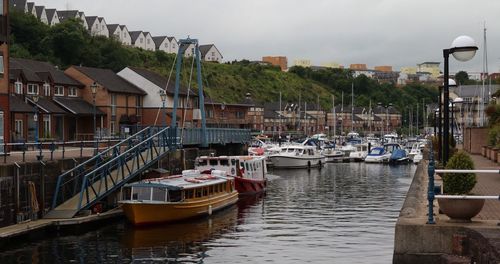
[{"x": 382, "y": 32}]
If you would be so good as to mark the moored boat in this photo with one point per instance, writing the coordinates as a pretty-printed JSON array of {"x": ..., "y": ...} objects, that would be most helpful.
[
  {"x": 298, "y": 156},
  {"x": 378, "y": 155},
  {"x": 177, "y": 197},
  {"x": 249, "y": 172}
]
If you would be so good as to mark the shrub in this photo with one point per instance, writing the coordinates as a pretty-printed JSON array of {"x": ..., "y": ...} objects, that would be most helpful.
[{"x": 459, "y": 183}]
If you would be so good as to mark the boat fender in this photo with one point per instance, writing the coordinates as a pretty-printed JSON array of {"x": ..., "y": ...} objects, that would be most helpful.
[
  {"x": 210, "y": 210},
  {"x": 320, "y": 165},
  {"x": 309, "y": 164},
  {"x": 233, "y": 171}
]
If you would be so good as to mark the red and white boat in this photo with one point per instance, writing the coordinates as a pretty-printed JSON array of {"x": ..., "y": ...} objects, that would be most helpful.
[{"x": 249, "y": 172}]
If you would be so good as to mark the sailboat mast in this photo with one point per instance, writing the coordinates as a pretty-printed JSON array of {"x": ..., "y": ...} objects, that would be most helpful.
[
  {"x": 370, "y": 113},
  {"x": 279, "y": 130},
  {"x": 483, "y": 77},
  {"x": 352, "y": 106},
  {"x": 334, "y": 120},
  {"x": 342, "y": 114},
  {"x": 417, "y": 130}
]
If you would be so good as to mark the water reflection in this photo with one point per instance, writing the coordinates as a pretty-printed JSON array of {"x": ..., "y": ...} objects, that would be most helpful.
[{"x": 344, "y": 213}]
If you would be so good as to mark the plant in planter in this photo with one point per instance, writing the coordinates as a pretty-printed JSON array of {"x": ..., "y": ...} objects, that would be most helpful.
[{"x": 460, "y": 184}]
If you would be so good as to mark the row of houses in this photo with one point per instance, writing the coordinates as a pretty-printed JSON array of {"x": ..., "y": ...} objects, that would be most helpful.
[
  {"x": 97, "y": 26},
  {"x": 64, "y": 105}
]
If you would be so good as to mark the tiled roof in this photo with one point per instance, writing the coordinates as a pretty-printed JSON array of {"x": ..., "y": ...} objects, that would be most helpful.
[
  {"x": 31, "y": 5},
  {"x": 134, "y": 35},
  {"x": 110, "y": 80},
  {"x": 18, "y": 4},
  {"x": 161, "y": 81},
  {"x": 159, "y": 40},
  {"x": 47, "y": 106},
  {"x": 90, "y": 20},
  {"x": 39, "y": 10},
  {"x": 77, "y": 106},
  {"x": 33, "y": 68},
  {"x": 50, "y": 14},
  {"x": 18, "y": 105},
  {"x": 112, "y": 28},
  {"x": 67, "y": 14}
]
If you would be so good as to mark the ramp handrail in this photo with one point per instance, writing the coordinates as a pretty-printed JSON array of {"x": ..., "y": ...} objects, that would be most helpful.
[
  {"x": 77, "y": 171},
  {"x": 164, "y": 141}
]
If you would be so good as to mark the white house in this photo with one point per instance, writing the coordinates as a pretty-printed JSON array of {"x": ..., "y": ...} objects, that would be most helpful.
[
  {"x": 93, "y": 25},
  {"x": 166, "y": 44},
  {"x": 210, "y": 53},
  {"x": 72, "y": 14},
  {"x": 188, "y": 49},
  {"x": 115, "y": 31},
  {"x": 125, "y": 37},
  {"x": 31, "y": 8},
  {"x": 41, "y": 15},
  {"x": 138, "y": 39},
  {"x": 149, "y": 44},
  {"x": 103, "y": 27},
  {"x": 52, "y": 17}
]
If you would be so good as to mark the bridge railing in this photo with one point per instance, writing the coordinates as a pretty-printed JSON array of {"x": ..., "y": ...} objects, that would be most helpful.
[{"x": 193, "y": 136}]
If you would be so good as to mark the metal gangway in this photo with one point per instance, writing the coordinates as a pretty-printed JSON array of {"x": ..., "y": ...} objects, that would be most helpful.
[{"x": 91, "y": 181}]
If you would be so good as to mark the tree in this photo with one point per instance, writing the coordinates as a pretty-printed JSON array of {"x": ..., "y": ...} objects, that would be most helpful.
[
  {"x": 68, "y": 41},
  {"x": 461, "y": 77}
]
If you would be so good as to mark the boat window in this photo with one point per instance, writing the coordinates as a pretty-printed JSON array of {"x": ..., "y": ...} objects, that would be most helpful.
[
  {"x": 211, "y": 189},
  {"x": 224, "y": 187},
  {"x": 224, "y": 162},
  {"x": 213, "y": 162},
  {"x": 376, "y": 151},
  {"x": 174, "y": 196},
  {"x": 159, "y": 194},
  {"x": 198, "y": 192},
  {"x": 126, "y": 193},
  {"x": 141, "y": 193},
  {"x": 254, "y": 167},
  {"x": 246, "y": 167},
  {"x": 202, "y": 162},
  {"x": 188, "y": 194},
  {"x": 205, "y": 191},
  {"x": 233, "y": 162}
]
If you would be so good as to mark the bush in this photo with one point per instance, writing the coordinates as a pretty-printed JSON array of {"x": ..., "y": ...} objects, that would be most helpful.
[{"x": 459, "y": 183}]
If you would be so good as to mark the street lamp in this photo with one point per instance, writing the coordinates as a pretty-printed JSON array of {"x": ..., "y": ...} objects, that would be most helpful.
[
  {"x": 457, "y": 100},
  {"x": 451, "y": 83},
  {"x": 163, "y": 96},
  {"x": 93, "y": 89},
  {"x": 463, "y": 48}
]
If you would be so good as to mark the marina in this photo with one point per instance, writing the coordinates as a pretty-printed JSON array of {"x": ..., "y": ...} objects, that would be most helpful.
[{"x": 305, "y": 216}]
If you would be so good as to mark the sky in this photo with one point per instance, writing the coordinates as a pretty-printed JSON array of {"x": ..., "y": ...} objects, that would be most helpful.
[{"x": 399, "y": 33}]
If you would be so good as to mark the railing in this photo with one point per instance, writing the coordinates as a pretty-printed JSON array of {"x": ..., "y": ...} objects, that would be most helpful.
[
  {"x": 431, "y": 192},
  {"x": 68, "y": 183},
  {"x": 193, "y": 136}
]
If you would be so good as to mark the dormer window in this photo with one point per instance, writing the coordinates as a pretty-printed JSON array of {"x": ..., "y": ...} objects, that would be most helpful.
[
  {"x": 18, "y": 86},
  {"x": 32, "y": 88},
  {"x": 46, "y": 89},
  {"x": 72, "y": 92}
]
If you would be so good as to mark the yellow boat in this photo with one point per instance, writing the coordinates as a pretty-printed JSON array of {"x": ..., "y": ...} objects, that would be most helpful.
[{"x": 177, "y": 197}]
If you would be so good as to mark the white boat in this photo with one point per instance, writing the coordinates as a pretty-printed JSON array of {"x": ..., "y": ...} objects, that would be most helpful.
[
  {"x": 332, "y": 154},
  {"x": 360, "y": 153},
  {"x": 297, "y": 156},
  {"x": 378, "y": 155},
  {"x": 416, "y": 149}
]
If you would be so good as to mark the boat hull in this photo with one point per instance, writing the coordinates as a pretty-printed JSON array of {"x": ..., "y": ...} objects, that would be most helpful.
[
  {"x": 293, "y": 162},
  {"x": 249, "y": 186},
  {"x": 152, "y": 213}
]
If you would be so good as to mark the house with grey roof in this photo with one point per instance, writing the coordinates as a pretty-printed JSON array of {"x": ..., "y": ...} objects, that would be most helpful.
[
  {"x": 120, "y": 100},
  {"x": 114, "y": 31},
  {"x": 72, "y": 14},
  {"x": 471, "y": 101},
  {"x": 149, "y": 43},
  {"x": 103, "y": 31},
  {"x": 166, "y": 44},
  {"x": 97, "y": 26},
  {"x": 210, "y": 53},
  {"x": 31, "y": 8},
  {"x": 52, "y": 17},
  {"x": 153, "y": 83},
  {"x": 138, "y": 39},
  {"x": 19, "y": 5},
  {"x": 125, "y": 36},
  {"x": 41, "y": 15}
]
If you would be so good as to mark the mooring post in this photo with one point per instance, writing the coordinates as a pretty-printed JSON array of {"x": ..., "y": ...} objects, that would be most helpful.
[{"x": 430, "y": 191}]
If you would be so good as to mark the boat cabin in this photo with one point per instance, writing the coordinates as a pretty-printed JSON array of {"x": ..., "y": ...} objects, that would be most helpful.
[{"x": 252, "y": 167}]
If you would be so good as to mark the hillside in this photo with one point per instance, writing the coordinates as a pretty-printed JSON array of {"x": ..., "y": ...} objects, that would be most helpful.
[{"x": 69, "y": 43}]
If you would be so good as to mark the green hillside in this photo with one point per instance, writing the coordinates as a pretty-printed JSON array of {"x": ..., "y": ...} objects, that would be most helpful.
[{"x": 69, "y": 43}]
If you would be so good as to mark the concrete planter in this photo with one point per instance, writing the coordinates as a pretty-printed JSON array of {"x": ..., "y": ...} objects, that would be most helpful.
[
  {"x": 483, "y": 151},
  {"x": 461, "y": 210},
  {"x": 494, "y": 155}
]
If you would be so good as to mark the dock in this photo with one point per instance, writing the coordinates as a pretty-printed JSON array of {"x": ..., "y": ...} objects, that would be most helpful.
[{"x": 447, "y": 242}]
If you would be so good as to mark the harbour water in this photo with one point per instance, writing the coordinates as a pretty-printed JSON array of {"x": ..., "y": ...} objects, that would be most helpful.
[{"x": 344, "y": 213}]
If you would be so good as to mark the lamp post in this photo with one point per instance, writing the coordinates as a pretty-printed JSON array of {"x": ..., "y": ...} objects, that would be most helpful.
[
  {"x": 93, "y": 89},
  {"x": 457, "y": 100},
  {"x": 163, "y": 96},
  {"x": 35, "y": 116},
  {"x": 463, "y": 48},
  {"x": 435, "y": 120}
]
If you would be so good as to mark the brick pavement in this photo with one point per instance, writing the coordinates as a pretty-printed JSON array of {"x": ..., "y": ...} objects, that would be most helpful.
[{"x": 487, "y": 184}]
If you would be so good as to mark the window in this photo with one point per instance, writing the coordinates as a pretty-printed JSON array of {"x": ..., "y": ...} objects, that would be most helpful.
[
  {"x": 59, "y": 90},
  {"x": 112, "y": 128},
  {"x": 124, "y": 35},
  {"x": 72, "y": 91},
  {"x": 166, "y": 45},
  {"x": 140, "y": 40},
  {"x": 96, "y": 26},
  {"x": 147, "y": 41},
  {"x": 213, "y": 53},
  {"x": 18, "y": 126},
  {"x": 210, "y": 113},
  {"x": 32, "y": 88},
  {"x": 46, "y": 126},
  {"x": 46, "y": 89},
  {"x": 113, "y": 104},
  {"x": 240, "y": 115},
  {"x": 18, "y": 87}
]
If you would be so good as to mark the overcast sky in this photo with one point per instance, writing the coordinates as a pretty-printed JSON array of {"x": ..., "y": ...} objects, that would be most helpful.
[{"x": 376, "y": 32}]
